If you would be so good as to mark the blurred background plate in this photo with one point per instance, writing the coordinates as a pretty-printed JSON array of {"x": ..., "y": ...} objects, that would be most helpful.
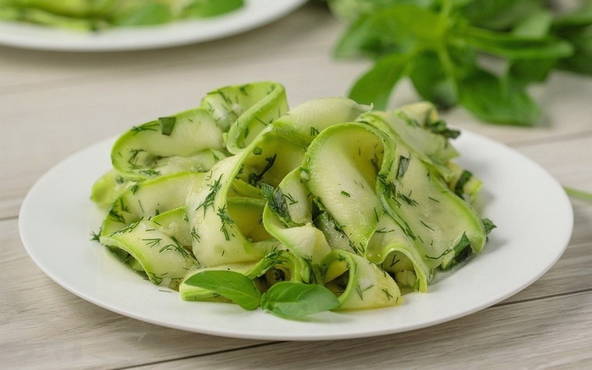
[{"x": 255, "y": 13}]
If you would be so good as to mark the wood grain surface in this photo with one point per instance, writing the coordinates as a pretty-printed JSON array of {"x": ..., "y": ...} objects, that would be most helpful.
[{"x": 53, "y": 104}]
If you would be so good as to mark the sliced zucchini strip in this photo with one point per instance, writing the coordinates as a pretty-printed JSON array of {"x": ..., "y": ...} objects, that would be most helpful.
[
  {"x": 358, "y": 283},
  {"x": 161, "y": 257},
  {"x": 392, "y": 250},
  {"x": 341, "y": 168},
  {"x": 150, "y": 198},
  {"x": 288, "y": 218},
  {"x": 108, "y": 188},
  {"x": 245, "y": 110},
  {"x": 234, "y": 221},
  {"x": 187, "y": 141},
  {"x": 175, "y": 224},
  {"x": 308, "y": 119}
]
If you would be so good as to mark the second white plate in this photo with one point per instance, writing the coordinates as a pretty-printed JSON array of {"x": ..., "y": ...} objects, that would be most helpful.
[
  {"x": 255, "y": 13},
  {"x": 533, "y": 215}
]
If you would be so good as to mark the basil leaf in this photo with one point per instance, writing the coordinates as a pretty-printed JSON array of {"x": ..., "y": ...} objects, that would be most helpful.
[
  {"x": 229, "y": 284},
  {"x": 400, "y": 28},
  {"x": 497, "y": 100},
  {"x": 498, "y": 14},
  {"x": 296, "y": 300},
  {"x": 376, "y": 85},
  {"x": 580, "y": 62},
  {"x": 512, "y": 46},
  {"x": 431, "y": 80},
  {"x": 535, "y": 25}
]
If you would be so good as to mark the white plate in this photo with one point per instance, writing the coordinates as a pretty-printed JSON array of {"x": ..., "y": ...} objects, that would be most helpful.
[
  {"x": 255, "y": 13},
  {"x": 533, "y": 215}
]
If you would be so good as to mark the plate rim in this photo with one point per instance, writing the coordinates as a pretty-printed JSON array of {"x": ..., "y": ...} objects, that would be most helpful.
[{"x": 23, "y": 210}]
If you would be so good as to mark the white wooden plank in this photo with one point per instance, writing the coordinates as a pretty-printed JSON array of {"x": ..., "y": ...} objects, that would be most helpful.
[{"x": 549, "y": 333}]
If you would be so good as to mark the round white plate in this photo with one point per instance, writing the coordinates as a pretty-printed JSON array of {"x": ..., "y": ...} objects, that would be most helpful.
[
  {"x": 533, "y": 215},
  {"x": 255, "y": 13}
]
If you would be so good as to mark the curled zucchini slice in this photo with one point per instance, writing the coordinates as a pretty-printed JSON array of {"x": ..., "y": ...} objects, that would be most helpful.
[
  {"x": 245, "y": 110},
  {"x": 187, "y": 141},
  {"x": 164, "y": 260},
  {"x": 358, "y": 283},
  {"x": 235, "y": 222},
  {"x": 288, "y": 217},
  {"x": 392, "y": 250}
]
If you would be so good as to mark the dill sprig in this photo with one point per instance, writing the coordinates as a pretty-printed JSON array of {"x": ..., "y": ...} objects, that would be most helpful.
[
  {"x": 211, "y": 196},
  {"x": 254, "y": 178},
  {"x": 225, "y": 220}
]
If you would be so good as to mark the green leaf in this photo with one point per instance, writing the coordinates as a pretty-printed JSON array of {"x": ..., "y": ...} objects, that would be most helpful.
[
  {"x": 581, "y": 61},
  {"x": 297, "y": 300},
  {"x": 536, "y": 24},
  {"x": 499, "y": 14},
  {"x": 167, "y": 125},
  {"x": 531, "y": 70},
  {"x": 497, "y": 100},
  {"x": 211, "y": 8},
  {"x": 229, "y": 284},
  {"x": 513, "y": 46},
  {"x": 376, "y": 85},
  {"x": 431, "y": 81},
  {"x": 400, "y": 28}
]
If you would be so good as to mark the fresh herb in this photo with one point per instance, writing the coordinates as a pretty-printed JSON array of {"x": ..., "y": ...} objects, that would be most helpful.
[
  {"x": 228, "y": 284},
  {"x": 150, "y": 126},
  {"x": 437, "y": 44},
  {"x": 167, "y": 125},
  {"x": 95, "y": 236},
  {"x": 465, "y": 177},
  {"x": 388, "y": 295},
  {"x": 276, "y": 200},
  {"x": 254, "y": 178},
  {"x": 407, "y": 199},
  {"x": 211, "y": 196},
  {"x": 426, "y": 225},
  {"x": 294, "y": 300},
  {"x": 150, "y": 172},
  {"x": 345, "y": 194},
  {"x": 225, "y": 220},
  {"x": 152, "y": 242},
  {"x": 313, "y": 131},
  {"x": 194, "y": 234},
  {"x": 434, "y": 199},
  {"x": 116, "y": 216},
  {"x": 488, "y": 225},
  {"x": 134, "y": 188},
  {"x": 403, "y": 166},
  {"x": 439, "y": 127}
]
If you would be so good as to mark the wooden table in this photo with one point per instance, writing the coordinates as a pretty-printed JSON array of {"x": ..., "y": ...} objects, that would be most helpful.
[{"x": 53, "y": 104}]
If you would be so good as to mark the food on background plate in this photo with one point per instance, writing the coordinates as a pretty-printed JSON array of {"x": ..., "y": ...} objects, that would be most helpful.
[
  {"x": 330, "y": 205},
  {"x": 89, "y": 15}
]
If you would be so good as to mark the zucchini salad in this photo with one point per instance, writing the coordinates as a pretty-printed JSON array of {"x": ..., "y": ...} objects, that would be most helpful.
[{"x": 326, "y": 206}]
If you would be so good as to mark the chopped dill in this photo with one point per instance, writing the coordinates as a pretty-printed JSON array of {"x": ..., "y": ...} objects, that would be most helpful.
[
  {"x": 211, "y": 196},
  {"x": 225, "y": 220},
  {"x": 345, "y": 194},
  {"x": 254, "y": 178},
  {"x": 403, "y": 166}
]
